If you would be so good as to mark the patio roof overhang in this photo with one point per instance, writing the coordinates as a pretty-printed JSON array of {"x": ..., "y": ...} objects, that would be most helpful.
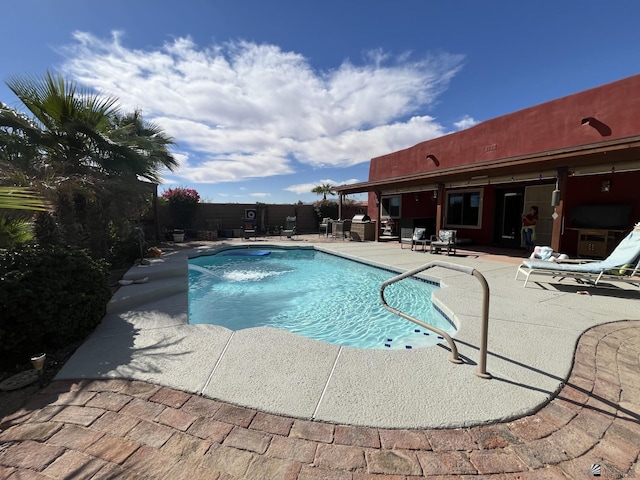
[{"x": 602, "y": 157}]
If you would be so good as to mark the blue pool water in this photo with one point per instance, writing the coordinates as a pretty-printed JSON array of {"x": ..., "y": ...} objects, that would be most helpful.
[{"x": 310, "y": 293}]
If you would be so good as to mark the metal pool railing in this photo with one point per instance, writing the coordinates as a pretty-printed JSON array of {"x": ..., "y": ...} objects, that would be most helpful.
[{"x": 455, "y": 358}]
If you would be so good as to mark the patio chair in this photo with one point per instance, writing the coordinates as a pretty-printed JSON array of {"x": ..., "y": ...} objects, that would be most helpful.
[
  {"x": 415, "y": 237},
  {"x": 325, "y": 226},
  {"x": 249, "y": 230},
  {"x": 289, "y": 229},
  {"x": 621, "y": 265},
  {"x": 406, "y": 237},
  {"x": 446, "y": 239},
  {"x": 420, "y": 237},
  {"x": 346, "y": 229}
]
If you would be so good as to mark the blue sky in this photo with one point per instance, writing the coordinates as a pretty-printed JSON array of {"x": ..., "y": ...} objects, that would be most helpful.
[{"x": 267, "y": 99}]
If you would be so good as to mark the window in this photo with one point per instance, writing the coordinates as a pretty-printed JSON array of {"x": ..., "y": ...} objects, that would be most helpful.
[
  {"x": 463, "y": 208},
  {"x": 390, "y": 207}
]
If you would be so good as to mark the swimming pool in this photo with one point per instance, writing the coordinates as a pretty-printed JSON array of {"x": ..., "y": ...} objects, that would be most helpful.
[{"x": 311, "y": 293}]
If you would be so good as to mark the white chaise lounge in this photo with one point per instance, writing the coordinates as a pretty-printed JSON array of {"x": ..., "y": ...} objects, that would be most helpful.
[{"x": 623, "y": 264}]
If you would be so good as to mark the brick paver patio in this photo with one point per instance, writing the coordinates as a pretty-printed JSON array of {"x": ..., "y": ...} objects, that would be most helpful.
[{"x": 129, "y": 429}]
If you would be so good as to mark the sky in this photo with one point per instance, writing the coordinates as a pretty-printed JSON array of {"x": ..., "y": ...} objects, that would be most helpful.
[{"x": 267, "y": 99}]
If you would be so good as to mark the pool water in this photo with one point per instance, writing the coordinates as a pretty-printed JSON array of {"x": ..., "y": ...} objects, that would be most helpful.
[{"x": 311, "y": 293}]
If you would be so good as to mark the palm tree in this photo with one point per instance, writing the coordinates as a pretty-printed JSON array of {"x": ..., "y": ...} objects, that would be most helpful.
[
  {"x": 83, "y": 150},
  {"x": 82, "y": 132},
  {"x": 323, "y": 190}
]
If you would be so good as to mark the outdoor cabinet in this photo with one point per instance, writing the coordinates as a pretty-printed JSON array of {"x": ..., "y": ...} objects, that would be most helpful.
[
  {"x": 595, "y": 242},
  {"x": 363, "y": 231}
]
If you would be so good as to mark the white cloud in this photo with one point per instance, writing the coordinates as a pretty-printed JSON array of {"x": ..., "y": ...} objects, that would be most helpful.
[
  {"x": 466, "y": 122},
  {"x": 302, "y": 188},
  {"x": 240, "y": 110}
]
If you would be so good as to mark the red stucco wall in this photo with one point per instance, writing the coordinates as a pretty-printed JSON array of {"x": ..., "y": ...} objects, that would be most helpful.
[
  {"x": 549, "y": 126},
  {"x": 424, "y": 207}
]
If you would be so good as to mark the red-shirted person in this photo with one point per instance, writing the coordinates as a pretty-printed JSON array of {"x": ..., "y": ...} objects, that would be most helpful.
[{"x": 529, "y": 222}]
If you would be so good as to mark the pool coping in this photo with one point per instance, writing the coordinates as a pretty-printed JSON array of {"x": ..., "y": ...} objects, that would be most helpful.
[{"x": 531, "y": 345}]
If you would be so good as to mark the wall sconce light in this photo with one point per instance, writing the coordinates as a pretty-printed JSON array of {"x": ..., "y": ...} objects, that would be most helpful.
[
  {"x": 417, "y": 198},
  {"x": 555, "y": 195},
  {"x": 435, "y": 194},
  {"x": 599, "y": 126},
  {"x": 433, "y": 158}
]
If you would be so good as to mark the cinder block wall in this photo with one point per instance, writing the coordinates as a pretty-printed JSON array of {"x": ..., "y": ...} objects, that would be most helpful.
[{"x": 230, "y": 216}]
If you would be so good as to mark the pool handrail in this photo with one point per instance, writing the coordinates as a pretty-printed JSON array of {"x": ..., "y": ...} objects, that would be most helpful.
[{"x": 481, "y": 371}]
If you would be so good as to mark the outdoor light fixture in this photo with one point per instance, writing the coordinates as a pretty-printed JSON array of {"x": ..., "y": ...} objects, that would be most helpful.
[
  {"x": 602, "y": 128},
  {"x": 433, "y": 158},
  {"x": 417, "y": 198},
  {"x": 555, "y": 195},
  {"x": 38, "y": 363}
]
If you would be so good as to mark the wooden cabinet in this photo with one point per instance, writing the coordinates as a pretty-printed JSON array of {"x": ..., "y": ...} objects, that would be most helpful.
[{"x": 596, "y": 243}]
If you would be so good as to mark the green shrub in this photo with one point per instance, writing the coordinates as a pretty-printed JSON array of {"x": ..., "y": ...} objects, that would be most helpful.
[
  {"x": 326, "y": 208},
  {"x": 124, "y": 252},
  {"x": 15, "y": 231},
  {"x": 49, "y": 297}
]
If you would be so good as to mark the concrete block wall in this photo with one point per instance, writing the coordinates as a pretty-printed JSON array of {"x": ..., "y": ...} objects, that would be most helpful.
[{"x": 230, "y": 216}]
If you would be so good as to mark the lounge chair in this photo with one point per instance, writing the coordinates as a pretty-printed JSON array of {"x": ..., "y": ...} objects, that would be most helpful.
[
  {"x": 621, "y": 265},
  {"x": 289, "y": 229},
  {"x": 446, "y": 239}
]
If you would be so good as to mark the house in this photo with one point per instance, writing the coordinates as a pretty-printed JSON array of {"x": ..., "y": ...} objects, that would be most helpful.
[{"x": 576, "y": 158}]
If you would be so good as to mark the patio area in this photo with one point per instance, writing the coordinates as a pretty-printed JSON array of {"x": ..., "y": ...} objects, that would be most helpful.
[{"x": 141, "y": 397}]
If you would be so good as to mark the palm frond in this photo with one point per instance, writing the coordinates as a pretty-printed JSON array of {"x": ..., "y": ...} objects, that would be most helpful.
[{"x": 21, "y": 198}]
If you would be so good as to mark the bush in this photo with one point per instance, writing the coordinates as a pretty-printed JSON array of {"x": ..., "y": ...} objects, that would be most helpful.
[
  {"x": 49, "y": 298},
  {"x": 183, "y": 203},
  {"x": 181, "y": 195},
  {"x": 326, "y": 209},
  {"x": 125, "y": 251}
]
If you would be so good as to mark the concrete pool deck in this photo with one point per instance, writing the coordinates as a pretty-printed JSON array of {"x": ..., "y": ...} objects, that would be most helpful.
[
  {"x": 115, "y": 427},
  {"x": 532, "y": 337}
]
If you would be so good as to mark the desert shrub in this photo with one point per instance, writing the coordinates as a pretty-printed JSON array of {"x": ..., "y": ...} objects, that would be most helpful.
[{"x": 49, "y": 297}]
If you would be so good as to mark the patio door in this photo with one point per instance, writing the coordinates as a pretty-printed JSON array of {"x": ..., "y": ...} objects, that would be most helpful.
[{"x": 508, "y": 217}]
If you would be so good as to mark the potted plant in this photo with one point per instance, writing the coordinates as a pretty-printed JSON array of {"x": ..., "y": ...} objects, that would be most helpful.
[{"x": 178, "y": 235}]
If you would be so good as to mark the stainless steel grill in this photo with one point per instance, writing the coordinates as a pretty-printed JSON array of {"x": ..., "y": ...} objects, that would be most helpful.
[{"x": 361, "y": 218}]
